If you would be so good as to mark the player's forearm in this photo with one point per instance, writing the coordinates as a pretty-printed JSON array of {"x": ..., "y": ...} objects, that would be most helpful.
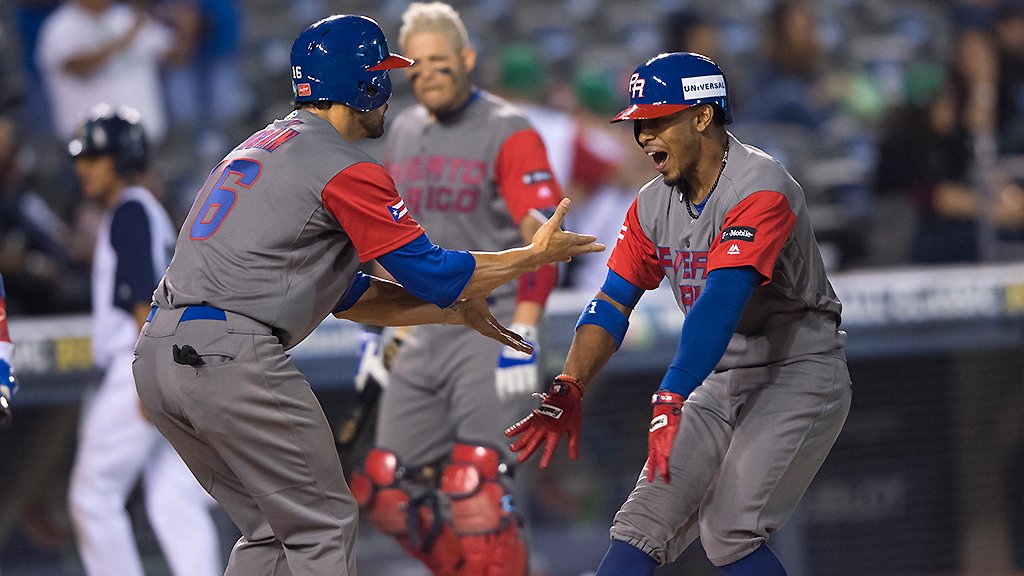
[
  {"x": 534, "y": 288},
  {"x": 386, "y": 303},
  {"x": 528, "y": 313},
  {"x": 496, "y": 268},
  {"x": 86, "y": 63},
  {"x": 591, "y": 349},
  {"x": 594, "y": 343}
]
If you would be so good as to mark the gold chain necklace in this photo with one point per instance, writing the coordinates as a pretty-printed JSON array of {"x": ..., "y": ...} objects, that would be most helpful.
[{"x": 686, "y": 196}]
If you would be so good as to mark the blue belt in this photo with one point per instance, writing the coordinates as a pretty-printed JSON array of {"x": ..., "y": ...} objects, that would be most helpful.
[{"x": 196, "y": 313}]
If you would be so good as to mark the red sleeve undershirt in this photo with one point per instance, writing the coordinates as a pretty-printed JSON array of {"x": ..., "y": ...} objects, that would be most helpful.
[
  {"x": 634, "y": 256},
  {"x": 753, "y": 234},
  {"x": 365, "y": 202},
  {"x": 526, "y": 182}
]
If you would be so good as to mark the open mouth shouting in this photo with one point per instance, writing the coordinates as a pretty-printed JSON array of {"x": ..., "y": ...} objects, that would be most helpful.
[{"x": 660, "y": 158}]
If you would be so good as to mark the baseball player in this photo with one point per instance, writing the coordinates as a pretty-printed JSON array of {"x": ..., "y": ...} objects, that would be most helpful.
[
  {"x": 116, "y": 444},
  {"x": 271, "y": 246},
  {"x": 759, "y": 389},
  {"x": 8, "y": 384},
  {"x": 473, "y": 172}
]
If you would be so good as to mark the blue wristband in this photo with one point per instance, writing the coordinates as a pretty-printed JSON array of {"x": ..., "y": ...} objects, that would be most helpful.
[{"x": 604, "y": 314}]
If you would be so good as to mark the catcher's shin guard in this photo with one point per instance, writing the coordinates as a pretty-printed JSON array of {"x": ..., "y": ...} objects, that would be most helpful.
[
  {"x": 416, "y": 523},
  {"x": 482, "y": 514}
]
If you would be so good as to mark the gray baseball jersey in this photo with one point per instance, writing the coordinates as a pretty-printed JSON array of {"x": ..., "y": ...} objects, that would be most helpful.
[
  {"x": 269, "y": 248},
  {"x": 757, "y": 216},
  {"x": 752, "y": 436},
  {"x": 472, "y": 177},
  {"x": 469, "y": 179},
  {"x": 281, "y": 225}
]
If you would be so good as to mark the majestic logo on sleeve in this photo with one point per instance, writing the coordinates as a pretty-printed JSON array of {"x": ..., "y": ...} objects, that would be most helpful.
[
  {"x": 398, "y": 210},
  {"x": 536, "y": 177},
  {"x": 744, "y": 233}
]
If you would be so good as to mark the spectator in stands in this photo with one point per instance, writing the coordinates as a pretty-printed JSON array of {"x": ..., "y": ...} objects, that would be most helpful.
[
  {"x": 27, "y": 18},
  {"x": 792, "y": 84},
  {"x": 206, "y": 92},
  {"x": 930, "y": 151},
  {"x": 42, "y": 275},
  {"x": 93, "y": 51},
  {"x": 690, "y": 31},
  {"x": 924, "y": 153},
  {"x": 1009, "y": 35},
  {"x": 602, "y": 180},
  {"x": 523, "y": 81}
]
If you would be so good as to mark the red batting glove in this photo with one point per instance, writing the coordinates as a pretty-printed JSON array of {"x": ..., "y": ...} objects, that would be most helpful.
[
  {"x": 558, "y": 414},
  {"x": 668, "y": 407}
]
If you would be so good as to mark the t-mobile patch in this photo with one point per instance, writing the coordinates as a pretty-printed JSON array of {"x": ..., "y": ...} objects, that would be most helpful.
[{"x": 745, "y": 233}]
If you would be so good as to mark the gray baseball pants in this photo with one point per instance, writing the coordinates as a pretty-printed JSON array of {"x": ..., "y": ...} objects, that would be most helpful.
[
  {"x": 750, "y": 441},
  {"x": 250, "y": 429}
]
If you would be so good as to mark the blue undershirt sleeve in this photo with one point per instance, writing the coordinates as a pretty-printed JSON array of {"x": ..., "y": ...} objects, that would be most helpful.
[
  {"x": 360, "y": 284},
  {"x": 135, "y": 276},
  {"x": 621, "y": 290},
  {"x": 430, "y": 272},
  {"x": 709, "y": 326}
]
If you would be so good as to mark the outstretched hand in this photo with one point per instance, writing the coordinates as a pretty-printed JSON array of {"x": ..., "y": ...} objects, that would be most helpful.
[
  {"x": 556, "y": 245},
  {"x": 557, "y": 415},
  {"x": 474, "y": 313}
]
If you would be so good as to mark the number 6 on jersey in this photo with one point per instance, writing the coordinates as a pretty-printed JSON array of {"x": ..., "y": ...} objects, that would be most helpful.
[{"x": 222, "y": 198}]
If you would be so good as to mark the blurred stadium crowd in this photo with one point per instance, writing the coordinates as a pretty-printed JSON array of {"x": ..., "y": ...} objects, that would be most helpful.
[{"x": 900, "y": 118}]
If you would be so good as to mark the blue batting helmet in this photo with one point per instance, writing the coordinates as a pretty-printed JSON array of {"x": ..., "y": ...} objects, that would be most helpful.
[
  {"x": 672, "y": 82},
  {"x": 344, "y": 59},
  {"x": 113, "y": 132}
]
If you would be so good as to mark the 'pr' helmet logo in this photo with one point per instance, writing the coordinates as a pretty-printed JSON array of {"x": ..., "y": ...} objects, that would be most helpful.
[{"x": 636, "y": 86}]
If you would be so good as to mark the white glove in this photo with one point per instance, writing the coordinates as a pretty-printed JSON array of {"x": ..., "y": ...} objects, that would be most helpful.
[
  {"x": 517, "y": 373},
  {"x": 371, "y": 360}
]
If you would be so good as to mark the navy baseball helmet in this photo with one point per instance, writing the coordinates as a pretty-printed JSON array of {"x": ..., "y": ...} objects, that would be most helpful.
[
  {"x": 672, "y": 82},
  {"x": 114, "y": 132},
  {"x": 344, "y": 59}
]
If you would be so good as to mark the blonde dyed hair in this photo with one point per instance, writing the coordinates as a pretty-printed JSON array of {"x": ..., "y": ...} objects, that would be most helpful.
[{"x": 434, "y": 17}]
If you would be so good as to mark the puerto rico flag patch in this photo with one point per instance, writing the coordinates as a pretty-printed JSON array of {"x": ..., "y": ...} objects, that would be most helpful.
[{"x": 398, "y": 210}]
